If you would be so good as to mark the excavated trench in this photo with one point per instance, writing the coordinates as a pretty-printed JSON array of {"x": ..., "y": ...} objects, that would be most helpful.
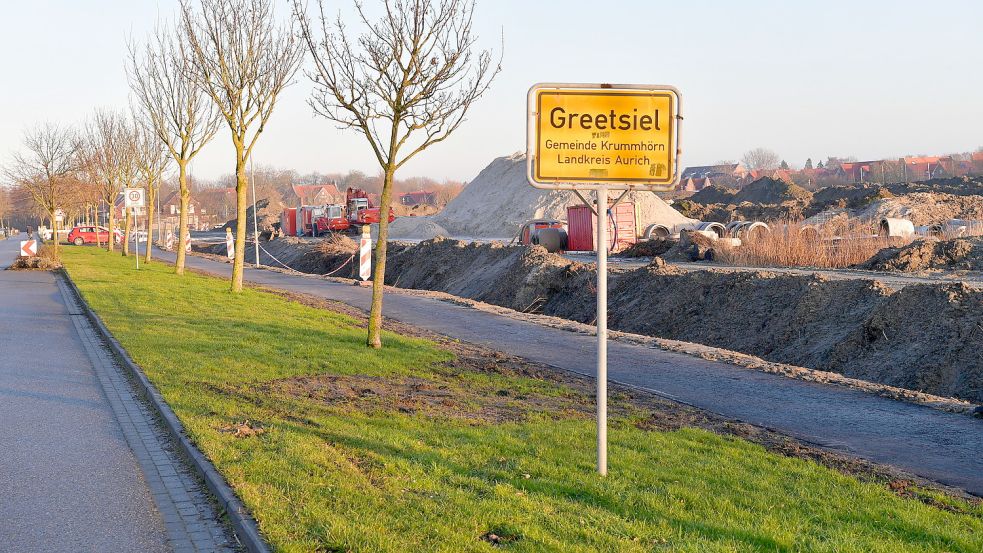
[{"x": 925, "y": 337}]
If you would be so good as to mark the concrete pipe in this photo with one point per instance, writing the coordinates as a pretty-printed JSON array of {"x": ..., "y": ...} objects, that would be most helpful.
[
  {"x": 733, "y": 226},
  {"x": 657, "y": 231},
  {"x": 895, "y": 228},
  {"x": 962, "y": 227},
  {"x": 930, "y": 231},
  {"x": 753, "y": 231},
  {"x": 809, "y": 232},
  {"x": 719, "y": 230}
]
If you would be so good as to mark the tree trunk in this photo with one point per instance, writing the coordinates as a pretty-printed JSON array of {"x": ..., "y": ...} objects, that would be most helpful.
[
  {"x": 54, "y": 233},
  {"x": 151, "y": 195},
  {"x": 238, "y": 262},
  {"x": 379, "y": 259},
  {"x": 182, "y": 231},
  {"x": 111, "y": 223},
  {"x": 99, "y": 240},
  {"x": 128, "y": 221}
]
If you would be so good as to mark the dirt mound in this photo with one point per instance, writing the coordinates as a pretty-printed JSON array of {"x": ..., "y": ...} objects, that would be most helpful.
[
  {"x": 518, "y": 277},
  {"x": 924, "y": 208},
  {"x": 921, "y": 255},
  {"x": 500, "y": 199},
  {"x": 747, "y": 211},
  {"x": 330, "y": 255},
  {"x": 922, "y": 337},
  {"x": 957, "y": 186},
  {"x": 854, "y": 196},
  {"x": 649, "y": 248},
  {"x": 771, "y": 191},
  {"x": 713, "y": 194},
  {"x": 269, "y": 218}
]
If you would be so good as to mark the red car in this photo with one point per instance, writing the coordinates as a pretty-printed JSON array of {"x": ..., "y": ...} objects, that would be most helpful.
[{"x": 87, "y": 235}]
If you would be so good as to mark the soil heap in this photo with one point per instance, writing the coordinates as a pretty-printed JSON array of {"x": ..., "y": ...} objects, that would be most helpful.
[
  {"x": 500, "y": 199},
  {"x": 713, "y": 194},
  {"x": 771, "y": 191},
  {"x": 332, "y": 254},
  {"x": 269, "y": 218},
  {"x": 922, "y": 337},
  {"x": 921, "y": 255}
]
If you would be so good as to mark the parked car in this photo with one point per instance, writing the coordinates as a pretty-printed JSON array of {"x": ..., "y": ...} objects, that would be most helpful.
[{"x": 87, "y": 235}]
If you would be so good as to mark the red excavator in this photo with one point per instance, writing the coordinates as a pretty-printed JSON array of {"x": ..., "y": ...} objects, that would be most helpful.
[{"x": 357, "y": 211}]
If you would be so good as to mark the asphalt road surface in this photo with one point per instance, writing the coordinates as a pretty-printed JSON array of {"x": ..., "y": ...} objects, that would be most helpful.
[{"x": 944, "y": 447}]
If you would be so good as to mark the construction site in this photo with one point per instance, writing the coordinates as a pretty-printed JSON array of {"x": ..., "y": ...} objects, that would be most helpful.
[{"x": 874, "y": 283}]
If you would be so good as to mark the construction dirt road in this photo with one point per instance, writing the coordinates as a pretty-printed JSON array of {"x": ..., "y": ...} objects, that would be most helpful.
[{"x": 940, "y": 446}]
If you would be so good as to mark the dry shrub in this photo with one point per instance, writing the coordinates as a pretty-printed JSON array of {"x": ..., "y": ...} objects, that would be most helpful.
[{"x": 797, "y": 245}]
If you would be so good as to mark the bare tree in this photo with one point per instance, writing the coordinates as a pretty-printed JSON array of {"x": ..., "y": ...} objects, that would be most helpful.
[
  {"x": 44, "y": 169},
  {"x": 760, "y": 158},
  {"x": 182, "y": 115},
  {"x": 108, "y": 150},
  {"x": 243, "y": 60},
  {"x": 151, "y": 160},
  {"x": 406, "y": 83},
  {"x": 6, "y": 208}
]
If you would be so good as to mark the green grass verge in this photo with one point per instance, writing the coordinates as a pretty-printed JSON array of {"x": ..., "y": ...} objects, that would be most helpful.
[{"x": 324, "y": 476}]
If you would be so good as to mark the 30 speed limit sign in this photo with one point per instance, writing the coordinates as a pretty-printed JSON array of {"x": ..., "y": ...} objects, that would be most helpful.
[{"x": 134, "y": 197}]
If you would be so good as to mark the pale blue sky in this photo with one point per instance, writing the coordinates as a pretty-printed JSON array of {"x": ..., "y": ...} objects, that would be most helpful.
[{"x": 867, "y": 79}]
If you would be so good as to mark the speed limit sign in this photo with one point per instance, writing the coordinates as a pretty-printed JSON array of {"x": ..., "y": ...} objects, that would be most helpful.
[{"x": 134, "y": 197}]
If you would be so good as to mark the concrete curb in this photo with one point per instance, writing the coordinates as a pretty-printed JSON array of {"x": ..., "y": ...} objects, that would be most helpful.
[{"x": 242, "y": 522}]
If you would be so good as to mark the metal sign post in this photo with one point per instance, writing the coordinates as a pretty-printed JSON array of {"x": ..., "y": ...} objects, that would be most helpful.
[
  {"x": 603, "y": 137},
  {"x": 136, "y": 237},
  {"x": 135, "y": 198},
  {"x": 602, "y": 330}
]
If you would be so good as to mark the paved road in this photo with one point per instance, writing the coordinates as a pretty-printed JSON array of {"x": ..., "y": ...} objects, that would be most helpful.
[
  {"x": 83, "y": 466},
  {"x": 939, "y": 446}
]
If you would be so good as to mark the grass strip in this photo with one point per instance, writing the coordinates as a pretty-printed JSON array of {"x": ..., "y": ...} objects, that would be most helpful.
[{"x": 336, "y": 447}]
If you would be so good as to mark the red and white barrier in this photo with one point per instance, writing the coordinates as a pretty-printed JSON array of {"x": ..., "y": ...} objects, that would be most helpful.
[{"x": 365, "y": 254}]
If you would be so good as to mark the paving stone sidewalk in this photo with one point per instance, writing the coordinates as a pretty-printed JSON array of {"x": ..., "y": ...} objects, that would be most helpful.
[{"x": 84, "y": 463}]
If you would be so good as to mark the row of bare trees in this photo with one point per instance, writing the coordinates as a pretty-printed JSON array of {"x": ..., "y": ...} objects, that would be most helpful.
[
  {"x": 405, "y": 82},
  {"x": 72, "y": 171}
]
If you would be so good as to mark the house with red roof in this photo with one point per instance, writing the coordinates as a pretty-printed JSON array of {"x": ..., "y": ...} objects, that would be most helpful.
[{"x": 318, "y": 194}]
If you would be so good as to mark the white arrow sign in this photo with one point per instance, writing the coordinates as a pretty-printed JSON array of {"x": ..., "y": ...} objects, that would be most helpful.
[{"x": 28, "y": 248}]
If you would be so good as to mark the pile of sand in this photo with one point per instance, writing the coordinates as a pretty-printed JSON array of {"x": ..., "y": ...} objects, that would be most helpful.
[{"x": 500, "y": 199}]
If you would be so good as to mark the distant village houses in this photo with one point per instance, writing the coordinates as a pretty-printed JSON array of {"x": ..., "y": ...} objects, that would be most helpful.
[{"x": 905, "y": 169}]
